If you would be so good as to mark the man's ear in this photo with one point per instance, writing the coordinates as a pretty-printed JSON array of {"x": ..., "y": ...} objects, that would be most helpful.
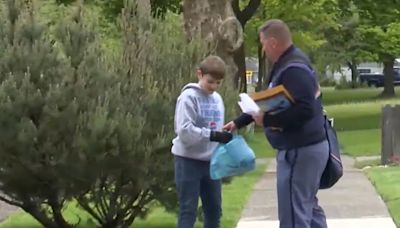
[
  {"x": 274, "y": 42},
  {"x": 199, "y": 72}
]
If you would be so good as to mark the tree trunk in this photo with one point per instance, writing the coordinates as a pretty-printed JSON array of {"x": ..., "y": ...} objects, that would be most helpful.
[
  {"x": 264, "y": 68},
  {"x": 214, "y": 22},
  {"x": 240, "y": 61},
  {"x": 58, "y": 216},
  {"x": 243, "y": 15},
  {"x": 261, "y": 69},
  {"x": 388, "y": 72},
  {"x": 43, "y": 219},
  {"x": 354, "y": 73}
]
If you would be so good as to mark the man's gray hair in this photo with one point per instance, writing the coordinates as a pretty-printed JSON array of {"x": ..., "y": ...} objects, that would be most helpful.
[{"x": 276, "y": 28}]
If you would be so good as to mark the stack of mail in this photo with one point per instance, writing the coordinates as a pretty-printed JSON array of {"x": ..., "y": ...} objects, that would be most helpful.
[{"x": 247, "y": 104}]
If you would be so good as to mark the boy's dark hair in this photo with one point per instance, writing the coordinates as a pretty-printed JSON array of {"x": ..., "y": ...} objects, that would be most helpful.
[{"x": 214, "y": 66}]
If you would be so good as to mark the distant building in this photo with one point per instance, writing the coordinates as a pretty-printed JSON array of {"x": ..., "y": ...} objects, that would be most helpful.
[
  {"x": 345, "y": 71},
  {"x": 367, "y": 67},
  {"x": 251, "y": 70}
]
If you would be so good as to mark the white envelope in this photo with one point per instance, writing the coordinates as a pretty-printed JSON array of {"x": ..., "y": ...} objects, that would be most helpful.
[{"x": 247, "y": 104}]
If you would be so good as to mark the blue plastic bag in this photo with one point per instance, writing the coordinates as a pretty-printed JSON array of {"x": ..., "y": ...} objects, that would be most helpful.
[{"x": 232, "y": 159}]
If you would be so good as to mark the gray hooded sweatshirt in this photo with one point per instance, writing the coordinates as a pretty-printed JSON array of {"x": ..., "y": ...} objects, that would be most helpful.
[{"x": 196, "y": 115}]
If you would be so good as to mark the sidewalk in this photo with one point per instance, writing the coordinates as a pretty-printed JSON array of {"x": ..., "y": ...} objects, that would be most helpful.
[
  {"x": 6, "y": 210},
  {"x": 351, "y": 203}
]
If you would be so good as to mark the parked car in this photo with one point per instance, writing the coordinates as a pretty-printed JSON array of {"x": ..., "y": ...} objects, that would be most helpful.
[
  {"x": 364, "y": 70},
  {"x": 377, "y": 79}
]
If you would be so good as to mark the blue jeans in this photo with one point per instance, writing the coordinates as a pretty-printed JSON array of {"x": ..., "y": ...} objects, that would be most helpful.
[
  {"x": 192, "y": 178},
  {"x": 298, "y": 175}
]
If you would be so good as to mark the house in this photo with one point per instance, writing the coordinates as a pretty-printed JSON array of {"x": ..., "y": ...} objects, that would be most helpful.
[
  {"x": 251, "y": 70},
  {"x": 367, "y": 67}
]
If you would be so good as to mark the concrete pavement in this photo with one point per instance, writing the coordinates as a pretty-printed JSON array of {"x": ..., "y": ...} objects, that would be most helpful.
[{"x": 351, "y": 203}]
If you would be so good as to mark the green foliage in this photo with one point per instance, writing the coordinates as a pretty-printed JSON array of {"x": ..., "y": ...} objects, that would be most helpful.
[
  {"x": 391, "y": 42},
  {"x": 80, "y": 123},
  {"x": 112, "y": 8},
  {"x": 346, "y": 43},
  {"x": 40, "y": 109},
  {"x": 380, "y": 28},
  {"x": 306, "y": 19}
]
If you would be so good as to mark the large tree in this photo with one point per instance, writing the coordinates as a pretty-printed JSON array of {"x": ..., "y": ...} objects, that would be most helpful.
[
  {"x": 243, "y": 10},
  {"x": 380, "y": 28},
  {"x": 243, "y": 14},
  {"x": 346, "y": 43},
  {"x": 39, "y": 109},
  {"x": 307, "y": 21},
  {"x": 215, "y": 22}
]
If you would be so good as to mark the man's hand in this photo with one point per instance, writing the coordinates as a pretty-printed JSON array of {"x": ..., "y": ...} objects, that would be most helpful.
[
  {"x": 231, "y": 126},
  {"x": 259, "y": 118}
]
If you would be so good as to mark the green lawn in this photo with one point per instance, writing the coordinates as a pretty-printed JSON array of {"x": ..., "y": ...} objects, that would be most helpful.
[
  {"x": 387, "y": 183},
  {"x": 258, "y": 142},
  {"x": 235, "y": 196},
  {"x": 357, "y": 116},
  {"x": 361, "y": 164},
  {"x": 361, "y": 142},
  {"x": 332, "y": 96},
  {"x": 71, "y": 212},
  {"x": 355, "y": 143}
]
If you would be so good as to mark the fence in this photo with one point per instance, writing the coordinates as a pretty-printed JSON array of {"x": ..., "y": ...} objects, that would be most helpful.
[{"x": 390, "y": 134}]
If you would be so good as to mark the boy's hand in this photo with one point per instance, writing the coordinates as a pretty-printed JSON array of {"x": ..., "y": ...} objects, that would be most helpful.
[
  {"x": 231, "y": 126},
  {"x": 220, "y": 136}
]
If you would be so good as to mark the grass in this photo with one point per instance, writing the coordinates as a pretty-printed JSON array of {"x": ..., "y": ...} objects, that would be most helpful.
[
  {"x": 357, "y": 125},
  {"x": 258, "y": 142},
  {"x": 22, "y": 219},
  {"x": 357, "y": 116},
  {"x": 235, "y": 196},
  {"x": 387, "y": 183},
  {"x": 361, "y": 142},
  {"x": 332, "y": 96},
  {"x": 360, "y": 164}
]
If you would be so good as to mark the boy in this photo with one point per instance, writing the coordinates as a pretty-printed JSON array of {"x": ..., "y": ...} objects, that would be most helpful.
[{"x": 199, "y": 118}]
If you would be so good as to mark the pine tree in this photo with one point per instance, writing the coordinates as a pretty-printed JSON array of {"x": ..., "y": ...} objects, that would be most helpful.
[
  {"x": 138, "y": 171},
  {"x": 44, "y": 89},
  {"x": 79, "y": 124}
]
